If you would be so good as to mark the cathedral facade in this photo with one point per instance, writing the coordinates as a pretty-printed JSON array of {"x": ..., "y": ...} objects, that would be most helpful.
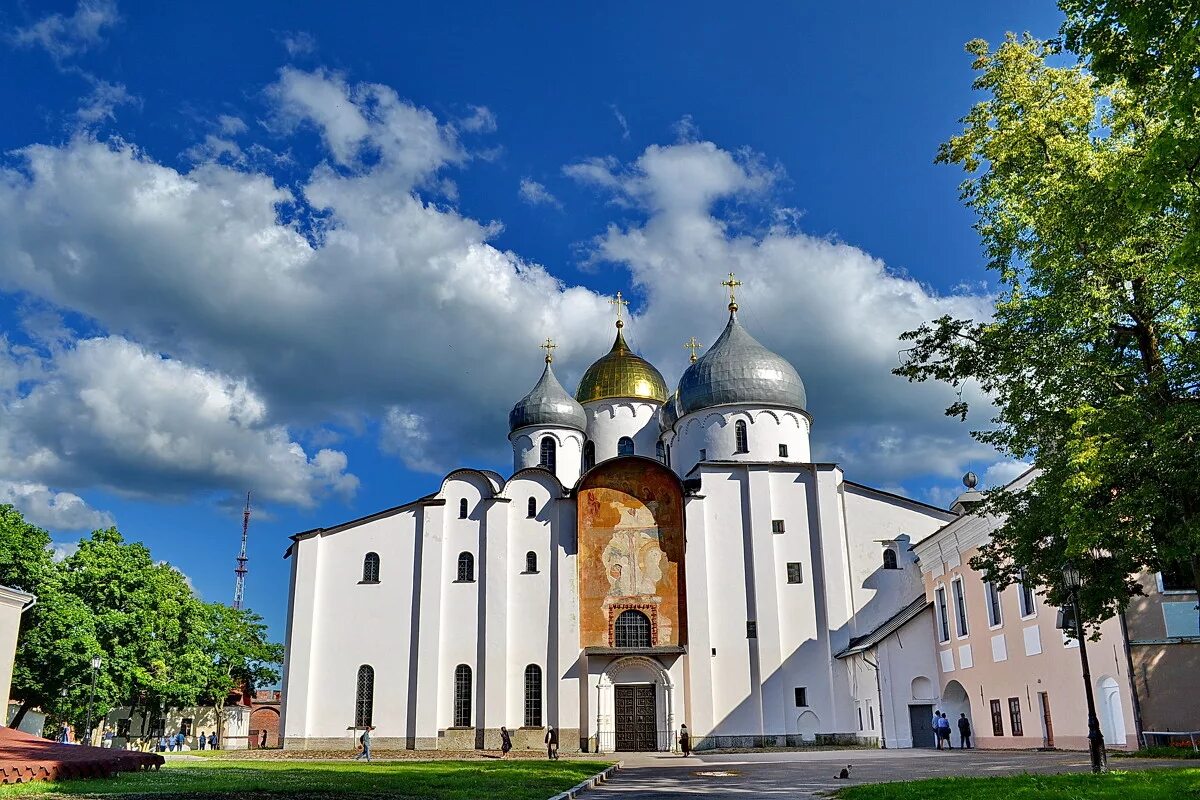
[{"x": 657, "y": 558}]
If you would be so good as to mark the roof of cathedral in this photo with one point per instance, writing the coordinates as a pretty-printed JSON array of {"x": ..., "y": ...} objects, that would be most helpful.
[
  {"x": 621, "y": 373},
  {"x": 669, "y": 413},
  {"x": 737, "y": 369},
  {"x": 860, "y": 644},
  {"x": 547, "y": 403}
]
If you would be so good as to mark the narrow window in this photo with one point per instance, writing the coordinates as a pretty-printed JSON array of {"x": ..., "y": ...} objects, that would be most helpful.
[
  {"x": 751, "y": 629},
  {"x": 624, "y": 446},
  {"x": 371, "y": 568},
  {"x": 533, "y": 696},
  {"x": 960, "y": 607},
  {"x": 783, "y": 451},
  {"x": 794, "y": 572},
  {"x": 549, "y": 455},
  {"x": 1028, "y": 604},
  {"x": 997, "y": 719},
  {"x": 185, "y": 727},
  {"x": 462, "y": 696},
  {"x": 589, "y": 455},
  {"x": 741, "y": 441},
  {"x": 703, "y": 454},
  {"x": 531, "y": 511},
  {"x": 889, "y": 559},
  {"x": 531, "y": 561},
  {"x": 660, "y": 452},
  {"x": 942, "y": 620},
  {"x": 776, "y": 526},
  {"x": 1014, "y": 716},
  {"x": 993, "y": 596},
  {"x": 801, "y": 696},
  {"x": 364, "y": 697},
  {"x": 466, "y": 568},
  {"x": 872, "y": 710},
  {"x": 462, "y": 508},
  {"x": 632, "y": 629},
  {"x": 860, "y": 725}
]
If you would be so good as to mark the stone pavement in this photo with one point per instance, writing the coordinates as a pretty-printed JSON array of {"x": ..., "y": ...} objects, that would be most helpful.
[{"x": 794, "y": 774}]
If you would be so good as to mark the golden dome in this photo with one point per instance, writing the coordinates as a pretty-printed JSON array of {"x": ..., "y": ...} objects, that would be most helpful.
[{"x": 621, "y": 373}]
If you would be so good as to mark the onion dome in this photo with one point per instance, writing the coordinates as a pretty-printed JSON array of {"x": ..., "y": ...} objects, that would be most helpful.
[
  {"x": 669, "y": 413},
  {"x": 548, "y": 403},
  {"x": 621, "y": 373},
  {"x": 737, "y": 369}
]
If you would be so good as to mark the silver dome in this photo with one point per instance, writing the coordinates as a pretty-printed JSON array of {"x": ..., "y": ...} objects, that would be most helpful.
[
  {"x": 548, "y": 403},
  {"x": 668, "y": 413},
  {"x": 737, "y": 369}
]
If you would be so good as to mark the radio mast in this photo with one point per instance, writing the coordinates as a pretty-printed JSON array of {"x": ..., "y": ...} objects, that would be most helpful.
[{"x": 239, "y": 589}]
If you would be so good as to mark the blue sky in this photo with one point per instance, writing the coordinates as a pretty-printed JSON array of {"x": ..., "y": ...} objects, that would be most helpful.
[{"x": 308, "y": 250}]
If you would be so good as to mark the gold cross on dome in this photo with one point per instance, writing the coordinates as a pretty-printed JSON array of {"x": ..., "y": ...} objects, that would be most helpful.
[
  {"x": 693, "y": 345},
  {"x": 549, "y": 348},
  {"x": 621, "y": 304},
  {"x": 732, "y": 284}
]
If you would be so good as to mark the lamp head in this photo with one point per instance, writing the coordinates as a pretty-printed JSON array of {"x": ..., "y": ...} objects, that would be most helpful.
[
  {"x": 1072, "y": 579},
  {"x": 96, "y": 662}
]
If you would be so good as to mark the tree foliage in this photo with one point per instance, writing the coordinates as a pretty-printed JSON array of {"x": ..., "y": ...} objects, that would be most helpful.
[{"x": 1091, "y": 354}]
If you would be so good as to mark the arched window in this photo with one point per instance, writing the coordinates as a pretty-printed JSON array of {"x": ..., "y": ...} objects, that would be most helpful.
[
  {"x": 462, "y": 508},
  {"x": 624, "y": 446},
  {"x": 531, "y": 561},
  {"x": 462, "y": 696},
  {"x": 741, "y": 440},
  {"x": 660, "y": 450},
  {"x": 632, "y": 629},
  {"x": 533, "y": 696},
  {"x": 371, "y": 568},
  {"x": 589, "y": 455},
  {"x": 889, "y": 559},
  {"x": 364, "y": 697},
  {"x": 549, "y": 457},
  {"x": 466, "y": 568},
  {"x": 532, "y": 509}
]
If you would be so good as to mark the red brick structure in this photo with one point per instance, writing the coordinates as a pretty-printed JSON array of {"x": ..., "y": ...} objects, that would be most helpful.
[{"x": 264, "y": 715}]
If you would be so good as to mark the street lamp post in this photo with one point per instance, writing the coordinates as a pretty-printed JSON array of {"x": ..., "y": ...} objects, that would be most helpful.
[
  {"x": 1073, "y": 580},
  {"x": 87, "y": 729}
]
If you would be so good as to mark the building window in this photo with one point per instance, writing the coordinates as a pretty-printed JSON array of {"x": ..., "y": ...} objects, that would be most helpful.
[
  {"x": 371, "y": 568},
  {"x": 1014, "y": 716},
  {"x": 462, "y": 696},
  {"x": 741, "y": 440},
  {"x": 533, "y": 696},
  {"x": 783, "y": 451},
  {"x": 943, "y": 622},
  {"x": 960, "y": 607},
  {"x": 777, "y": 526},
  {"x": 871, "y": 708},
  {"x": 549, "y": 454},
  {"x": 860, "y": 725},
  {"x": 1028, "y": 604},
  {"x": 364, "y": 697},
  {"x": 589, "y": 455},
  {"x": 801, "y": 696},
  {"x": 997, "y": 719},
  {"x": 123, "y": 728},
  {"x": 1176, "y": 578},
  {"x": 703, "y": 454},
  {"x": 660, "y": 452},
  {"x": 889, "y": 559},
  {"x": 462, "y": 508},
  {"x": 185, "y": 726},
  {"x": 531, "y": 509},
  {"x": 751, "y": 629},
  {"x": 632, "y": 629},
  {"x": 794, "y": 573},
  {"x": 624, "y": 446},
  {"x": 466, "y": 568},
  {"x": 531, "y": 562},
  {"x": 993, "y": 597}
]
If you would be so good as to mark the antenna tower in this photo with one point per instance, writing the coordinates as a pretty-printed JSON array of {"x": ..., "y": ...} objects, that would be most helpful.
[{"x": 239, "y": 588}]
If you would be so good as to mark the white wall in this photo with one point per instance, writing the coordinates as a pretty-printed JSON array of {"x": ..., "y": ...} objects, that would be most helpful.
[
  {"x": 713, "y": 430},
  {"x": 527, "y": 450},
  {"x": 609, "y": 420},
  {"x": 13, "y": 604}
]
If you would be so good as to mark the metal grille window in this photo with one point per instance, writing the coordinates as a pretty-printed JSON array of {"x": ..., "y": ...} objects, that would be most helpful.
[
  {"x": 549, "y": 454},
  {"x": 776, "y": 526},
  {"x": 624, "y": 446},
  {"x": 1014, "y": 715},
  {"x": 751, "y": 629},
  {"x": 794, "y": 573},
  {"x": 371, "y": 568},
  {"x": 997, "y": 719},
  {"x": 466, "y": 568},
  {"x": 660, "y": 452},
  {"x": 462, "y": 508},
  {"x": 462, "y": 696},
  {"x": 632, "y": 629},
  {"x": 531, "y": 561},
  {"x": 741, "y": 440},
  {"x": 364, "y": 697},
  {"x": 889, "y": 559},
  {"x": 531, "y": 509},
  {"x": 589, "y": 455},
  {"x": 533, "y": 696}
]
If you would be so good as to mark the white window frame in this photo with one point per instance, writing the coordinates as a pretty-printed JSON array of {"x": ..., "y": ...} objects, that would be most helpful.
[
  {"x": 1021, "y": 588},
  {"x": 995, "y": 610},
  {"x": 939, "y": 613},
  {"x": 959, "y": 596},
  {"x": 1158, "y": 581}
]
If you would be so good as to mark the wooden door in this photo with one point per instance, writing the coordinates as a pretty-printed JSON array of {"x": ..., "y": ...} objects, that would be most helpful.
[
  {"x": 1047, "y": 725},
  {"x": 636, "y": 716}
]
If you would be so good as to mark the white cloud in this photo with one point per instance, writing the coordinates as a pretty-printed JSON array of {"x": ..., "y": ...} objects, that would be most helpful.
[
  {"x": 230, "y": 125},
  {"x": 101, "y": 103},
  {"x": 65, "y": 36},
  {"x": 55, "y": 511},
  {"x": 1002, "y": 473},
  {"x": 536, "y": 194},
  {"x": 63, "y": 550},
  {"x": 620, "y": 121},
  {"x": 298, "y": 43},
  {"x": 481, "y": 120}
]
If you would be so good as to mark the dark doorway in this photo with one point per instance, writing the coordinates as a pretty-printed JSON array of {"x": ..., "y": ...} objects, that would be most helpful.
[
  {"x": 920, "y": 718},
  {"x": 635, "y": 706},
  {"x": 1047, "y": 724}
]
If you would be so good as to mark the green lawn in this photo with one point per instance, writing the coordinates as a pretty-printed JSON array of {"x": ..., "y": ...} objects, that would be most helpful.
[
  {"x": 428, "y": 780},
  {"x": 1151, "y": 784}
]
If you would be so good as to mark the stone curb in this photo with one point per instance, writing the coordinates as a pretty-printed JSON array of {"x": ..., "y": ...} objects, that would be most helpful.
[{"x": 580, "y": 788}]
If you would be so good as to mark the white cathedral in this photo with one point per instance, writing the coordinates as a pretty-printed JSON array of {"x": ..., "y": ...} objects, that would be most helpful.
[{"x": 657, "y": 558}]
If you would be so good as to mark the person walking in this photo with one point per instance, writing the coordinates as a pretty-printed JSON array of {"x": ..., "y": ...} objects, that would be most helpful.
[
  {"x": 505, "y": 741},
  {"x": 201, "y": 740},
  {"x": 964, "y": 731},
  {"x": 685, "y": 741},
  {"x": 262, "y": 740},
  {"x": 365, "y": 741},
  {"x": 944, "y": 727},
  {"x": 212, "y": 741},
  {"x": 551, "y": 743},
  {"x": 179, "y": 740},
  {"x": 162, "y": 744},
  {"x": 937, "y": 729}
]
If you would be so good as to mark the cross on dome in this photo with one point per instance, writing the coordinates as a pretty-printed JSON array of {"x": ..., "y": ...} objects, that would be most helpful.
[
  {"x": 621, "y": 304},
  {"x": 548, "y": 346},
  {"x": 732, "y": 284},
  {"x": 693, "y": 346}
]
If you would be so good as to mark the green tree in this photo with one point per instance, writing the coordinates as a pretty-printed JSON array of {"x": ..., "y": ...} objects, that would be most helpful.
[
  {"x": 242, "y": 657},
  {"x": 1091, "y": 354}
]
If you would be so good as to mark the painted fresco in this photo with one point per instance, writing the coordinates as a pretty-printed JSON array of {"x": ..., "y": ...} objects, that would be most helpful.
[{"x": 631, "y": 551}]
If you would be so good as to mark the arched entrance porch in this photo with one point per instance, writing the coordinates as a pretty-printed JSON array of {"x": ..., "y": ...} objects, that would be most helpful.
[{"x": 635, "y": 706}]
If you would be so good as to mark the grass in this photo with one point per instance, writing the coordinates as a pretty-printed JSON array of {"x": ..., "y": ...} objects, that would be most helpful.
[
  {"x": 1156, "y": 752},
  {"x": 1156, "y": 784},
  {"x": 432, "y": 780}
]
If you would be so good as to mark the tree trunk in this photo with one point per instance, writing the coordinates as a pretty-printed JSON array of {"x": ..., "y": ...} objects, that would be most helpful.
[{"x": 20, "y": 715}]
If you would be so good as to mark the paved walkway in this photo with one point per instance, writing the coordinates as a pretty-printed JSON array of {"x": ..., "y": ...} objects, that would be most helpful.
[{"x": 651, "y": 776}]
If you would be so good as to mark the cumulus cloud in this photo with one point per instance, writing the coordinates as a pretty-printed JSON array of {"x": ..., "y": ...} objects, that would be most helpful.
[
  {"x": 298, "y": 43},
  {"x": 60, "y": 551},
  {"x": 480, "y": 120},
  {"x": 100, "y": 105},
  {"x": 536, "y": 194},
  {"x": 64, "y": 36},
  {"x": 55, "y": 511}
]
